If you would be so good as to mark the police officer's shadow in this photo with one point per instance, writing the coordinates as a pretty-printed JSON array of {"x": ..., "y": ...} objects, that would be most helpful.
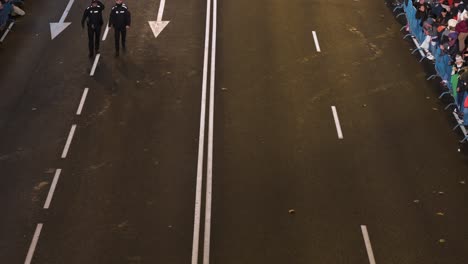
[{"x": 117, "y": 73}]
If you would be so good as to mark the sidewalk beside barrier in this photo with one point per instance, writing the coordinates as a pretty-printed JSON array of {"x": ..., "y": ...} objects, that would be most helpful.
[{"x": 441, "y": 61}]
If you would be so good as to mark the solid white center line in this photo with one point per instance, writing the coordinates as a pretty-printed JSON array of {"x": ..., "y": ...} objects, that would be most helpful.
[
  {"x": 105, "y": 32},
  {"x": 370, "y": 253},
  {"x": 69, "y": 140},
  {"x": 201, "y": 142},
  {"x": 317, "y": 46},
  {"x": 337, "y": 123},
  {"x": 95, "y": 64},
  {"x": 83, "y": 99},
  {"x": 32, "y": 248},
  {"x": 7, "y": 31},
  {"x": 209, "y": 177},
  {"x": 52, "y": 188}
]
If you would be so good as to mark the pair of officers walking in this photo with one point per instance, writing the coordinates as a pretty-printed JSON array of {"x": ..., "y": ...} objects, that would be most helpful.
[{"x": 119, "y": 19}]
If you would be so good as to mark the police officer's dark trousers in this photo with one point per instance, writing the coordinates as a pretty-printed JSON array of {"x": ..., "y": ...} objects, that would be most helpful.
[
  {"x": 120, "y": 33},
  {"x": 94, "y": 33}
]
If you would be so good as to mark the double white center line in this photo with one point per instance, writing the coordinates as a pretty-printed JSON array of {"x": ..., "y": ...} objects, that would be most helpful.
[{"x": 201, "y": 142}]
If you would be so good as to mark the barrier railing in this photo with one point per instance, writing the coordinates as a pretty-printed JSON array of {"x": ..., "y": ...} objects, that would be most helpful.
[{"x": 441, "y": 61}]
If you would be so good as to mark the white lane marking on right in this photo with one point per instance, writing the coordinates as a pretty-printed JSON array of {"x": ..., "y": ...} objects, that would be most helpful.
[
  {"x": 337, "y": 123},
  {"x": 52, "y": 188},
  {"x": 317, "y": 46},
  {"x": 105, "y": 32},
  {"x": 370, "y": 253},
  {"x": 83, "y": 99},
  {"x": 32, "y": 247},
  {"x": 209, "y": 168},
  {"x": 69, "y": 140},
  {"x": 201, "y": 142},
  {"x": 7, "y": 31},
  {"x": 95, "y": 64}
]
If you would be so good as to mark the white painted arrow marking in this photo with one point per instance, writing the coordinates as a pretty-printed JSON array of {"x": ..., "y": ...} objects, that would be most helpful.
[
  {"x": 57, "y": 28},
  {"x": 158, "y": 26}
]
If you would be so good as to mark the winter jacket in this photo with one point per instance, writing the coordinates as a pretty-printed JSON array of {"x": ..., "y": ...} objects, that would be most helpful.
[
  {"x": 120, "y": 17},
  {"x": 93, "y": 15},
  {"x": 462, "y": 27}
]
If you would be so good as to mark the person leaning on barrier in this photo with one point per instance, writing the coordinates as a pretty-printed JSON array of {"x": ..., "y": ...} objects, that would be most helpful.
[
  {"x": 4, "y": 15},
  {"x": 430, "y": 27},
  {"x": 449, "y": 45},
  {"x": 120, "y": 20},
  {"x": 462, "y": 87},
  {"x": 93, "y": 17},
  {"x": 452, "y": 23},
  {"x": 9, "y": 8},
  {"x": 423, "y": 13}
]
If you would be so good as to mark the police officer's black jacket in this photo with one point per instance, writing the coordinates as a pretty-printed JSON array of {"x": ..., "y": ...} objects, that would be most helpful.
[
  {"x": 120, "y": 16},
  {"x": 93, "y": 15}
]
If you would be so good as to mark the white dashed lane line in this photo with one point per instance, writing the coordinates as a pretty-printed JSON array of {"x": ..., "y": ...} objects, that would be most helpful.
[
  {"x": 317, "y": 45},
  {"x": 337, "y": 123},
  {"x": 52, "y": 189},
  {"x": 96, "y": 60},
  {"x": 69, "y": 140},
  {"x": 33, "y": 245},
  {"x": 370, "y": 253},
  {"x": 82, "y": 101},
  {"x": 105, "y": 32}
]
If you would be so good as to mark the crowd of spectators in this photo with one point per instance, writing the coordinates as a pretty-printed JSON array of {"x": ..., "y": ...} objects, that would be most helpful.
[
  {"x": 9, "y": 9},
  {"x": 445, "y": 25}
]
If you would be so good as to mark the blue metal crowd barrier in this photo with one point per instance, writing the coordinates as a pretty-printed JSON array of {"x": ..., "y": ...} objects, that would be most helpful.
[{"x": 442, "y": 61}]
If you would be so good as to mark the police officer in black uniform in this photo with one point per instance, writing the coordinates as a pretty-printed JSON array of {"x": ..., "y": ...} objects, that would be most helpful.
[
  {"x": 93, "y": 17},
  {"x": 120, "y": 19}
]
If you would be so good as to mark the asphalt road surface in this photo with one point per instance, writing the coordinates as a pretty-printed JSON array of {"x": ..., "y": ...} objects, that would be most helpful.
[{"x": 248, "y": 131}]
